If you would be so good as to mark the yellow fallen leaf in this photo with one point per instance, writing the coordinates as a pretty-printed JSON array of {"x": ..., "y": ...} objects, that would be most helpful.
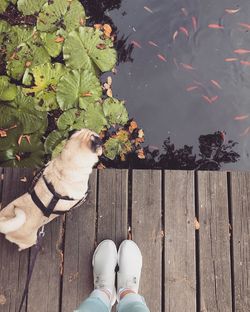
[{"x": 196, "y": 224}]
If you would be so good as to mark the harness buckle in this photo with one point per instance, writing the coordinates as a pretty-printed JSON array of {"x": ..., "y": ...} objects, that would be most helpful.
[{"x": 41, "y": 233}]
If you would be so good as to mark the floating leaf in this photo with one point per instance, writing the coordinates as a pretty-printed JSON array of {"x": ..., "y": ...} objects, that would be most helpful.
[
  {"x": 115, "y": 111},
  {"x": 22, "y": 108},
  {"x": 24, "y": 155},
  {"x": 3, "y": 5},
  {"x": 78, "y": 88},
  {"x": 118, "y": 145},
  {"x": 45, "y": 78},
  {"x": 57, "y": 150},
  {"x": 82, "y": 50},
  {"x": 51, "y": 44},
  {"x": 94, "y": 117},
  {"x": 29, "y": 7},
  {"x": 7, "y": 90},
  {"x": 73, "y": 119},
  {"x": 54, "y": 138},
  {"x": 60, "y": 13}
]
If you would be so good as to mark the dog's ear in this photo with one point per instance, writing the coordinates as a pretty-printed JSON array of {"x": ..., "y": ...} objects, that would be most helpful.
[{"x": 71, "y": 133}]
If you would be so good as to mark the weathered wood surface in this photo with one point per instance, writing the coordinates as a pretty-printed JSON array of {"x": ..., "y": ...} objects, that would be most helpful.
[
  {"x": 179, "y": 242},
  {"x": 184, "y": 269},
  {"x": 240, "y": 189},
  {"x": 80, "y": 236},
  {"x": 147, "y": 232},
  {"x": 215, "y": 266}
]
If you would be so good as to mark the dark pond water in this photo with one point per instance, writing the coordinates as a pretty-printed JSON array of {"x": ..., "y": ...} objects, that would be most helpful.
[{"x": 184, "y": 71}]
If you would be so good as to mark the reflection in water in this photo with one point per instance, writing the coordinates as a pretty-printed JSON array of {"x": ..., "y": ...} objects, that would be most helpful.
[{"x": 213, "y": 153}]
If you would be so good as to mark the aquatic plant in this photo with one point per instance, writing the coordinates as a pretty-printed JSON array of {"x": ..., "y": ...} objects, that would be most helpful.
[{"x": 51, "y": 63}]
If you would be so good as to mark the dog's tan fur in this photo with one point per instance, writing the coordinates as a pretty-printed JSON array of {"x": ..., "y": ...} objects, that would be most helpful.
[{"x": 68, "y": 173}]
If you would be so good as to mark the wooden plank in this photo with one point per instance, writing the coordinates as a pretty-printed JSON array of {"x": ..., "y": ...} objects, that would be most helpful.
[
  {"x": 44, "y": 290},
  {"x": 13, "y": 264},
  {"x": 78, "y": 251},
  {"x": 147, "y": 232},
  {"x": 112, "y": 205},
  {"x": 215, "y": 270},
  {"x": 240, "y": 190},
  {"x": 180, "y": 269}
]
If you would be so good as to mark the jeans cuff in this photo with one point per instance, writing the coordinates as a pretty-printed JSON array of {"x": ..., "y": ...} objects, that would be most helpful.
[{"x": 102, "y": 296}]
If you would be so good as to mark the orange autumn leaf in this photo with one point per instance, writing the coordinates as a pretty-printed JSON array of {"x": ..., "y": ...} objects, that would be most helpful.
[
  {"x": 140, "y": 154},
  {"x": 133, "y": 126},
  {"x": 59, "y": 39},
  {"x": 18, "y": 157},
  {"x": 107, "y": 30},
  {"x": 86, "y": 94},
  {"x": 82, "y": 21},
  {"x": 3, "y": 133},
  {"x": 98, "y": 26},
  {"x": 28, "y": 64},
  {"x": 109, "y": 93}
]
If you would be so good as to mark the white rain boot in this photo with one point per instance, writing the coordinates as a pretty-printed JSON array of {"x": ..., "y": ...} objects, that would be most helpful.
[
  {"x": 104, "y": 263},
  {"x": 130, "y": 264}
]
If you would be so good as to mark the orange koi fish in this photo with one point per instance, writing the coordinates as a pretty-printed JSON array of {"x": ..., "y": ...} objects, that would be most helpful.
[
  {"x": 244, "y": 25},
  {"x": 231, "y": 59},
  {"x": 184, "y": 30},
  {"x": 247, "y": 63},
  {"x": 194, "y": 22},
  {"x": 175, "y": 35},
  {"x": 210, "y": 100},
  {"x": 148, "y": 9},
  {"x": 136, "y": 44},
  {"x": 153, "y": 43},
  {"x": 241, "y": 117},
  {"x": 241, "y": 51},
  {"x": 191, "y": 88},
  {"x": 216, "y": 83},
  {"x": 215, "y": 26},
  {"x": 232, "y": 11},
  {"x": 161, "y": 57},
  {"x": 187, "y": 66}
]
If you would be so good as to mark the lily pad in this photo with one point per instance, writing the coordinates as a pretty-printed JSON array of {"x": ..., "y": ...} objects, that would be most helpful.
[
  {"x": 118, "y": 145},
  {"x": 3, "y": 5},
  {"x": 94, "y": 117},
  {"x": 78, "y": 89},
  {"x": 73, "y": 119},
  {"x": 52, "y": 43},
  {"x": 61, "y": 13},
  {"x": 7, "y": 90},
  {"x": 22, "y": 108},
  {"x": 27, "y": 154},
  {"x": 115, "y": 111},
  {"x": 53, "y": 139},
  {"x": 86, "y": 49},
  {"x": 45, "y": 78},
  {"x": 29, "y": 7}
]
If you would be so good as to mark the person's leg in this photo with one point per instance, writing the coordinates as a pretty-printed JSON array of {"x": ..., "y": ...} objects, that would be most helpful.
[
  {"x": 130, "y": 264},
  {"x": 98, "y": 301},
  {"x": 104, "y": 295}
]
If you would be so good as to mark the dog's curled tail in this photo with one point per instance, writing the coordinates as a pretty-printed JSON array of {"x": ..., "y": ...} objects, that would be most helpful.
[{"x": 11, "y": 225}]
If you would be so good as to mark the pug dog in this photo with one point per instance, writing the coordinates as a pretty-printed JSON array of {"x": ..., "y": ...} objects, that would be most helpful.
[{"x": 62, "y": 184}]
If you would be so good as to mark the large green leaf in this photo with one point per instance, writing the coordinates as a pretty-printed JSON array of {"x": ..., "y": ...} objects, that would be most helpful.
[
  {"x": 94, "y": 117},
  {"x": 53, "y": 139},
  {"x": 13, "y": 133},
  {"x": 51, "y": 43},
  {"x": 3, "y": 5},
  {"x": 73, "y": 119},
  {"x": 115, "y": 111},
  {"x": 119, "y": 145},
  {"x": 29, "y": 7},
  {"x": 45, "y": 77},
  {"x": 85, "y": 48},
  {"x": 24, "y": 155},
  {"x": 27, "y": 55},
  {"x": 7, "y": 90},
  {"x": 78, "y": 88},
  {"x": 61, "y": 13},
  {"x": 22, "y": 108}
]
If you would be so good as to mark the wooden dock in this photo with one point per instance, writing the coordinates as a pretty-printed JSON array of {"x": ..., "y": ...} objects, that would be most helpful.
[{"x": 193, "y": 230}]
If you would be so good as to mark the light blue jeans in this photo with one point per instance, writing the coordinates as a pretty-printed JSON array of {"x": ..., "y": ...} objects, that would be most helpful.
[{"x": 99, "y": 302}]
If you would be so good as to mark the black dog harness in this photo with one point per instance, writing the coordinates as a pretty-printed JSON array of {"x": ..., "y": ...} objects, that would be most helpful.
[{"x": 47, "y": 211}]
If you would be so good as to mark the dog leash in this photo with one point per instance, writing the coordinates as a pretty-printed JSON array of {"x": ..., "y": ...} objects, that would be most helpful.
[{"x": 37, "y": 247}]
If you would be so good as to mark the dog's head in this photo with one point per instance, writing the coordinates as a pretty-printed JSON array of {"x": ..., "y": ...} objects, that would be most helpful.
[{"x": 83, "y": 147}]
